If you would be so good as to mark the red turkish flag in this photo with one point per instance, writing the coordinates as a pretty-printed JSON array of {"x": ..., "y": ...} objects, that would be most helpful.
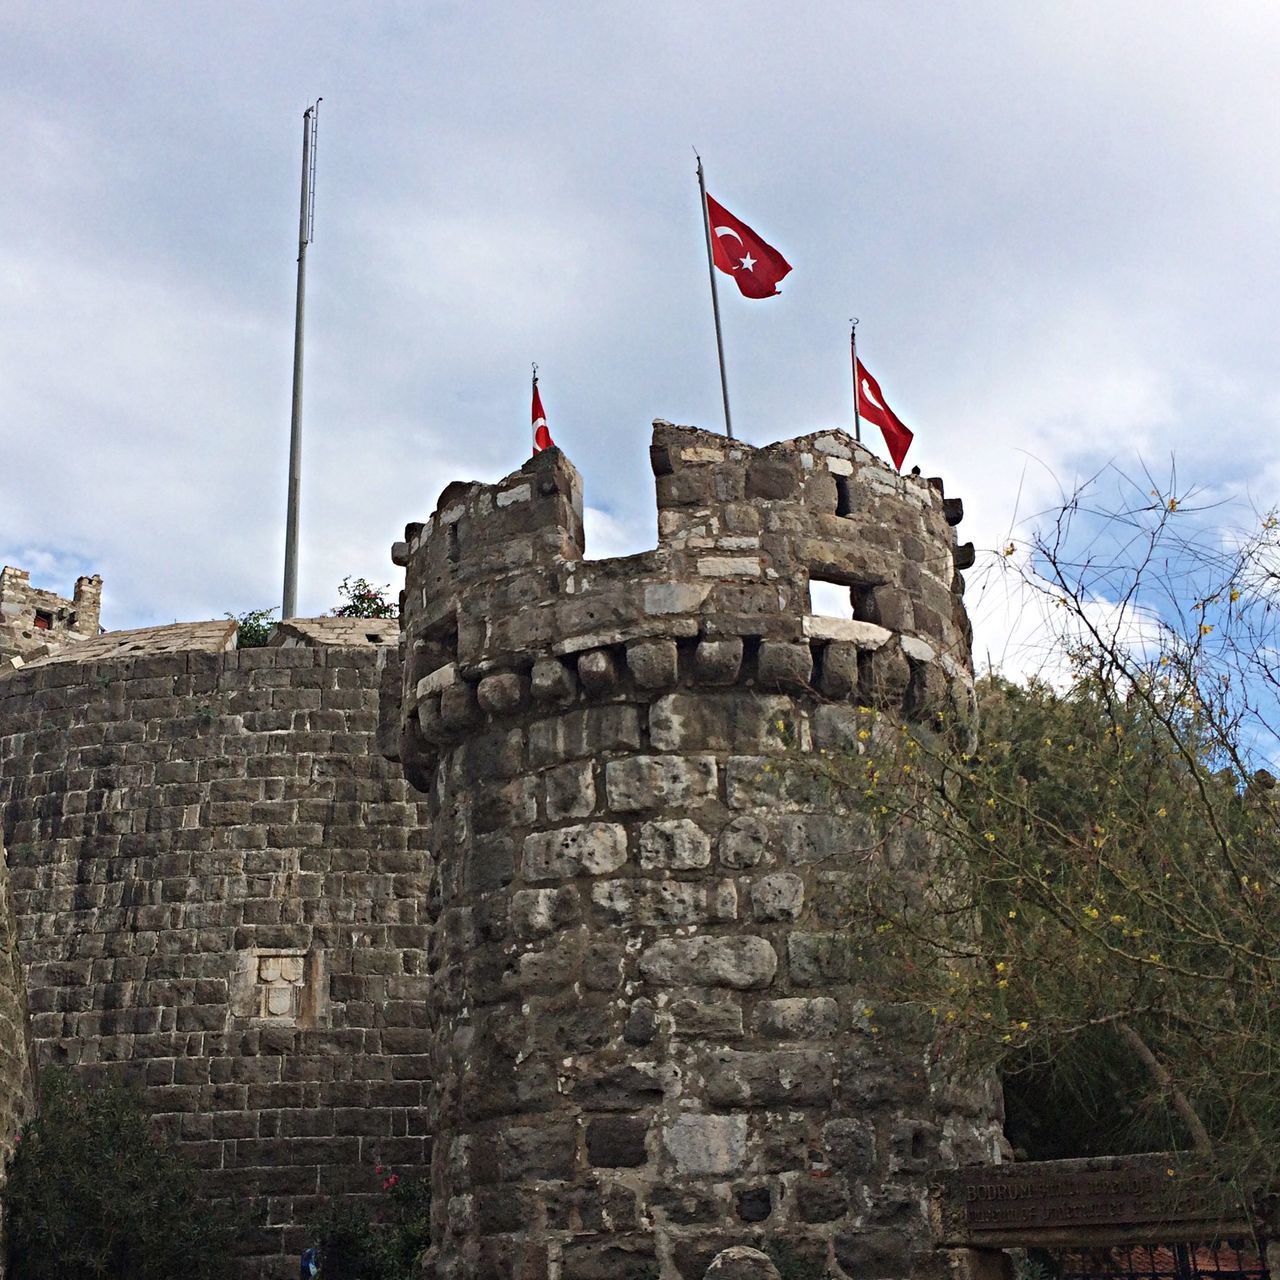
[
  {"x": 755, "y": 266},
  {"x": 872, "y": 406},
  {"x": 541, "y": 436}
]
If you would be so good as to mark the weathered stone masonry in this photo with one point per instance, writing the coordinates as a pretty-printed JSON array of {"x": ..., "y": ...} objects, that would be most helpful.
[
  {"x": 219, "y": 887},
  {"x": 644, "y": 1046}
]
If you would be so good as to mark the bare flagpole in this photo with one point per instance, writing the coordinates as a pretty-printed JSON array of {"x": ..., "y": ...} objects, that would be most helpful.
[
  {"x": 853, "y": 353},
  {"x": 715, "y": 297},
  {"x": 306, "y": 233}
]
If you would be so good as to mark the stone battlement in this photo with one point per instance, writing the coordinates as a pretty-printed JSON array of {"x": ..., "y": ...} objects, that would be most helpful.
[
  {"x": 503, "y": 611},
  {"x": 647, "y": 1039},
  {"x": 34, "y": 623}
]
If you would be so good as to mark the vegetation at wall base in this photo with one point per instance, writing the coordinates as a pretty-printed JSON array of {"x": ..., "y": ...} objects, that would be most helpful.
[
  {"x": 1095, "y": 908},
  {"x": 356, "y": 1243},
  {"x": 92, "y": 1195}
]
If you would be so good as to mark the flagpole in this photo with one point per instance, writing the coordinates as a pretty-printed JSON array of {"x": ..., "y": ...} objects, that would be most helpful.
[
  {"x": 853, "y": 353},
  {"x": 715, "y": 297},
  {"x": 306, "y": 232}
]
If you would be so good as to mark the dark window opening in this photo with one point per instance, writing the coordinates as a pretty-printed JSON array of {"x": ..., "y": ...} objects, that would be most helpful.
[
  {"x": 844, "y": 496},
  {"x": 44, "y": 620}
]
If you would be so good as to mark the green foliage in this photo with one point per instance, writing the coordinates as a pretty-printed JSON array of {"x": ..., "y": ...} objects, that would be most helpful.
[
  {"x": 91, "y": 1195},
  {"x": 254, "y": 627},
  {"x": 361, "y": 599},
  {"x": 357, "y": 1244},
  {"x": 1096, "y": 910}
]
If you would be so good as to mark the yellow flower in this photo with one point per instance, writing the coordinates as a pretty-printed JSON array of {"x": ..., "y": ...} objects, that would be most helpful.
[
  {"x": 1092, "y": 912},
  {"x": 1013, "y": 915},
  {"x": 1172, "y": 504},
  {"x": 1235, "y": 595},
  {"x": 1024, "y": 1026},
  {"x": 989, "y": 837},
  {"x": 864, "y": 734},
  {"x": 1162, "y": 812},
  {"x": 1001, "y": 966},
  {"x": 1206, "y": 628}
]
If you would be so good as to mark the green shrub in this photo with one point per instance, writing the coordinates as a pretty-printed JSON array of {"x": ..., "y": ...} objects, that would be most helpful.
[
  {"x": 254, "y": 627},
  {"x": 93, "y": 1196},
  {"x": 361, "y": 599},
  {"x": 357, "y": 1244}
]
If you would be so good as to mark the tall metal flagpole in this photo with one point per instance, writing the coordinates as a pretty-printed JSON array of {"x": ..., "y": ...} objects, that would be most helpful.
[
  {"x": 853, "y": 354},
  {"x": 715, "y": 297},
  {"x": 306, "y": 232}
]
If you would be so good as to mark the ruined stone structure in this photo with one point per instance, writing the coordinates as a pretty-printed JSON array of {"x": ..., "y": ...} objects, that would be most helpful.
[
  {"x": 646, "y": 1044},
  {"x": 589, "y": 967},
  {"x": 219, "y": 887},
  {"x": 34, "y": 623}
]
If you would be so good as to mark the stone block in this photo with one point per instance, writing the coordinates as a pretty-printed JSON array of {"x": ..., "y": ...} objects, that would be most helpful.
[
  {"x": 706, "y": 1019},
  {"x": 553, "y": 683},
  {"x": 654, "y": 664},
  {"x": 639, "y": 783},
  {"x": 745, "y": 843},
  {"x": 641, "y": 1025},
  {"x": 797, "y": 1018},
  {"x": 538, "y": 912},
  {"x": 740, "y": 1261},
  {"x": 706, "y": 1144},
  {"x": 570, "y": 791},
  {"x": 743, "y": 962},
  {"x": 617, "y": 1142},
  {"x": 503, "y": 694},
  {"x": 589, "y": 849},
  {"x": 882, "y": 1254},
  {"x": 850, "y": 1145},
  {"x": 782, "y": 1077},
  {"x": 597, "y": 672},
  {"x": 458, "y": 707},
  {"x": 662, "y": 903},
  {"x": 777, "y": 897},
  {"x": 821, "y": 1199},
  {"x": 677, "y": 844},
  {"x": 717, "y": 662},
  {"x": 839, "y": 674},
  {"x": 740, "y": 721},
  {"x": 820, "y": 837},
  {"x": 780, "y": 665}
]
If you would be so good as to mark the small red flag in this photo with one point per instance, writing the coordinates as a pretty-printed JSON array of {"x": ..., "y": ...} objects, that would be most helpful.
[
  {"x": 872, "y": 406},
  {"x": 541, "y": 436},
  {"x": 755, "y": 266}
]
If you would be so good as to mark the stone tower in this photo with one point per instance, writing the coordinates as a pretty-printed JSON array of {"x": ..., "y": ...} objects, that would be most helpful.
[
  {"x": 34, "y": 623},
  {"x": 643, "y": 1052}
]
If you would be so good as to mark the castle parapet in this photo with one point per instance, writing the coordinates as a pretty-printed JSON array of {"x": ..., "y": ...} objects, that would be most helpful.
[
  {"x": 502, "y": 608},
  {"x": 648, "y": 1046}
]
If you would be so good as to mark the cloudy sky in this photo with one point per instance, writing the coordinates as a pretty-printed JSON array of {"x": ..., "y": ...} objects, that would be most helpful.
[{"x": 1055, "y": 221}]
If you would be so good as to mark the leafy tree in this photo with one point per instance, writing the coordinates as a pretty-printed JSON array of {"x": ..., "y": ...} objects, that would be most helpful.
[
  {"x": 1099, "y": 914},
  {"x": 254, "y": 627},
  {"x": 361, "y": 599},
  {"x": 92, "y": 1194}
]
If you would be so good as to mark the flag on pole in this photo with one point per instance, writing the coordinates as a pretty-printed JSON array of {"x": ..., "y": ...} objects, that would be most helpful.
[
  {"x": 872, "y": 406},
  {"x": 541, "y": 436},
  {"x": 756, "y": 266}
]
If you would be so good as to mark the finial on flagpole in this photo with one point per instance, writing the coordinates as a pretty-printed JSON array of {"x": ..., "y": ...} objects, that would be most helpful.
[
  {"x": 535, "y": 373},
  {"x": 853, "y": 357}
]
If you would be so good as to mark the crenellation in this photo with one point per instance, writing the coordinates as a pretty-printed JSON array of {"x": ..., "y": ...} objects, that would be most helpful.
[{"x": 633, "y": 904}]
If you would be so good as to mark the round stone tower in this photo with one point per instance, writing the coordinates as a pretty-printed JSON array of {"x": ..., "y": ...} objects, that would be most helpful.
[{"x": 645, "y": 1048}]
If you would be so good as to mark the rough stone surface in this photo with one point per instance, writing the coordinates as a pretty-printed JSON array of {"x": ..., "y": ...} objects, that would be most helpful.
[
  {"x": 220, "y": 890},
  {"x": 635, "y": 956}
]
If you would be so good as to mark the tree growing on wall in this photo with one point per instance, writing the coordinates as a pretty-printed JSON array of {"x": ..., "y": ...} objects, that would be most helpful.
[
  {"x": 1100, "y": 910},
  {"x": 361, "y": 599}
]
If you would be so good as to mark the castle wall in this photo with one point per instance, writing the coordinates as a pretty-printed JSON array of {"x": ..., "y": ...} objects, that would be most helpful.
[
  {"x": 218, "y": 886},
  {"x": 35, "y": 622},
  {"x": 647, "y": 1041}
]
